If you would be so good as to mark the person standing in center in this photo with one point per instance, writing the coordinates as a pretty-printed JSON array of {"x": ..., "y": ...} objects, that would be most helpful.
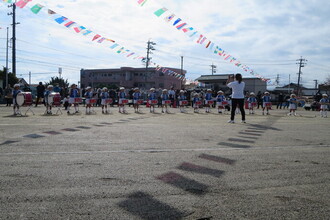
[{"x": 237, "y": 87}]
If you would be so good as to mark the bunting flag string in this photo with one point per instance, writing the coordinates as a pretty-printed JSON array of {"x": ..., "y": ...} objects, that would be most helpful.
[
  {"x": 179, "y": 24},
  {"x": 79, "y": 29}
]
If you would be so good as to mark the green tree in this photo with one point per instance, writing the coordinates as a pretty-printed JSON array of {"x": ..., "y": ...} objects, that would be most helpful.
[
  {"x": 60, "y": 81},
  {"x": 11, "y": 78}
]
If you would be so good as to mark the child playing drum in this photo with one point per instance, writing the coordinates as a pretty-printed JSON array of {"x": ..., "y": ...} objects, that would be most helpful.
[
  {"x": 182, "y": 101},
  {"x": 208, "y": 101},
  {"x": 324, "y": 105},
  {"x": 48, "y": 101},
  {"x": 153, "y": 100},
  {"x": 165, "y": 101},
  {"x": 122, "y": 100},
  {"x": 88, "y": 96},
  {"x": 220, "y": 99},
  {"x": 266, "y": 103},
  {"x": 252, "y": 101},
  {"x": 14, "y": 93},
  {"x": 74, "y": 95},
  {"x": 105, "y": 98},
  {"x": 136, "y": 100}
]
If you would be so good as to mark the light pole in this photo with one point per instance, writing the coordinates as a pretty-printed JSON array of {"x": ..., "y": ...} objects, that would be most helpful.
[
  {"x": 7, "y": 57},
  {"x": 150, "y": 47}
]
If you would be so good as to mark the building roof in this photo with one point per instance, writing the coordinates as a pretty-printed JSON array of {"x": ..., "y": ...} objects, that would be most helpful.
[{"x": 218, "y": 77}]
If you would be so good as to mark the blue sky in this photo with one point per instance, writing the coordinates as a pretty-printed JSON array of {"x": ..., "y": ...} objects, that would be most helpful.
[{"x": 268, "y": 36}]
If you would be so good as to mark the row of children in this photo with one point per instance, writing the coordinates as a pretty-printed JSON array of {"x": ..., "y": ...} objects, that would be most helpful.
[{"x": 197, "y": 100}]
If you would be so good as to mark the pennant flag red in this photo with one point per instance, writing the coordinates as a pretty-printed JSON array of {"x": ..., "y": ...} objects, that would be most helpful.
[
  {"x": 96, "y": 37},
  {"x": 181, "y": 26},
  {"x": 22, "y": 3},
  {"x": 79, "y": 29},
  {"x": 200, "y": 37},
  {"x": 142, "y": 2},
  {"x": 69, "y": 24},
  {"x": 185, "y": 30}
]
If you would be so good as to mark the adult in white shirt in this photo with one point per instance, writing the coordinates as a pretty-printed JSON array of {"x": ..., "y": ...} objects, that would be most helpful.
[{"x": 237, "y": 96}]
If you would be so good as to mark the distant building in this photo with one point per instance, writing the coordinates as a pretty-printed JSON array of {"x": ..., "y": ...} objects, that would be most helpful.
[
  {"x": 129, "y": 77},
  {"x": 218, "y": 82}
]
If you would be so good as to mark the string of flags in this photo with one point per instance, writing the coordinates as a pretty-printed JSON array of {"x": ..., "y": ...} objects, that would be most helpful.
[
  {"x": 80, "y": 29},
  {"x": 202, "y": 40}
]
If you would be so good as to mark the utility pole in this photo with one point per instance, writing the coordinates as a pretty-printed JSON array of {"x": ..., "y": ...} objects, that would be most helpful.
[
  {"x": 30, "y": 78},
  {"x": 213, "y": 68},
  {"x": 315, "y": 80},
  {"x": 301, "y": 63},
  {"x": 182, "y": 71},
  {"x": 13, "y": 37},
  {"x": 150, "y": 47},
  {"x": 277, "y": 79},
  {"x": 7, "y": 57},
  {"x": 60, "y": 72}
]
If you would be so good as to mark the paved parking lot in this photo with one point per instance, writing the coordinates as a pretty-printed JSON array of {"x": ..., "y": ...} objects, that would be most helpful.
[{"x": 164, "y": 166}]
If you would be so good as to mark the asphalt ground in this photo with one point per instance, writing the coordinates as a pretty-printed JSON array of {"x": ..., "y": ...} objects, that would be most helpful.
[{"x": 164, "y": 166}]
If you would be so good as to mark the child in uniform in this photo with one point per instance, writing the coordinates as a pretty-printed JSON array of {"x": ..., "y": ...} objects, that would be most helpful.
[
  {"x": 208, "y": 98},
  {"x": 293, "y": 102},
  {"x": 181, "y": 98},
  {"x": 136, "y": 98},
  {"x": 195, "y": 105},
  {"x": 14, "y": 93},
  {"x": 73, "y": 93},
  {"x": 220, "y": 98},
  {"x": 266, "y": 102},
  {"x": 104, "y": 96},
  {"x": 165, "y": 97},
  {"x": 324, "y": 105},
  {"x": 152, "y": 96},
  {"x": 88, "y": 96},
  {"x": 252, "y": 100},
  {"x": 47, "y": 101},
  {"x": 122, "y": 96}
]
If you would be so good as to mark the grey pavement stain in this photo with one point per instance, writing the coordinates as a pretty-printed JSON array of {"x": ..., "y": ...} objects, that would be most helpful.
[
  {"x": 200, "y": 169},
  {"x": 33, "y": 136},
  {"x": 70, "y": 129},
  {"x": 52, "y": 132},
  {"x": 184, "y": 183},
  {"x": 255, "y": 131},
  {"x": 233, "y": 145},
  {"x": 217, "y": 159},
  {"x": 8, "y": 142},
  {"x": 105, "y": 123},
  {"x": 240, "y": 140},
  {"x": 147, "y": 207},
  {"x": 253, "y": 138},
  {"x": 83, "y": 127},
  {"x": 252, "y": 134}
]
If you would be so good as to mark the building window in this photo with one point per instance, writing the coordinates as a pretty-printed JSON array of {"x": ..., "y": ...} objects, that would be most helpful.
[
  {"x": 141, "y": 74},
  {"x": 161, "y": 85},
  {"x": 109, "y": 74},
  {"x": 161, "y": 73},
  {"x": 136, "y": 74}
]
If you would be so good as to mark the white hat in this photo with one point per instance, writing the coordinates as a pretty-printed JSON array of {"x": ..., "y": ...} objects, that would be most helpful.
[
  {"x": 16, "y": 85},
  {"x": 105, "y": 88},
  {"x": 136, "y": 88},
  {"x": 266, "y": 92},
  {"x": 209, "y": 90},
  {"x": 252, "y": 93},
  {"x": 220, "y": 91},
  {"x": 164, "y": 90},
  {"x": 121, "y": 88},
  {"x": 50, "y": 86},
  {"x": 88, "y": 87},
  {"x": 181, "y": 91},
  {"x": 152, "y": 89},
  {"x": 326, "y": 95}
]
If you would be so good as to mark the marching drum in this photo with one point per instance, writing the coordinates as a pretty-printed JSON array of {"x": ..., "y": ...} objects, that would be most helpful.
[
  {"x": 153, "y": 102},
  {"x": 92, "y": 101},
  {"x": 268, "y": 104},
  {"x": 123, "y": 101},
  {"x": 224, "y": 103},
  {"x": 139, "y": 102},
  {"x": 198, "y": 103},
  {"x": 167, "y": 102},
  {"x": 108, "y": 101},
  {"x": 210, "y": 102},
  {"x": 54, "y": 98},
  {"x": 24, "y": 99},
  {"x": 184, "y": 102},
  {"x": 77, "y": 100},
  {"x": 254, "y": 104}
]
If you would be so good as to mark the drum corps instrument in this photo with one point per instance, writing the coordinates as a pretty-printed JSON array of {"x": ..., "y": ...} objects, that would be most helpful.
[
  {"x": 77, "y": 100},
  {"x": 92, "y": 101},
  {"x": 140, "y": 101},
  {"x": 153, "y": 102},
  {"x": 124, "y": 101},
  {"x": 108, "y": 101},
  {"x": 167, "y": 102},
  {"x": 54, "y": 99},
  {"x": 198, "y": 103},
  {"x": 210, "y": 102},
  {"x": 269, "y": 104},
  {"x": 184, "y": 102},
  {"x": 24, "y": 99},
  {"x": 224, "y": 103}
]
